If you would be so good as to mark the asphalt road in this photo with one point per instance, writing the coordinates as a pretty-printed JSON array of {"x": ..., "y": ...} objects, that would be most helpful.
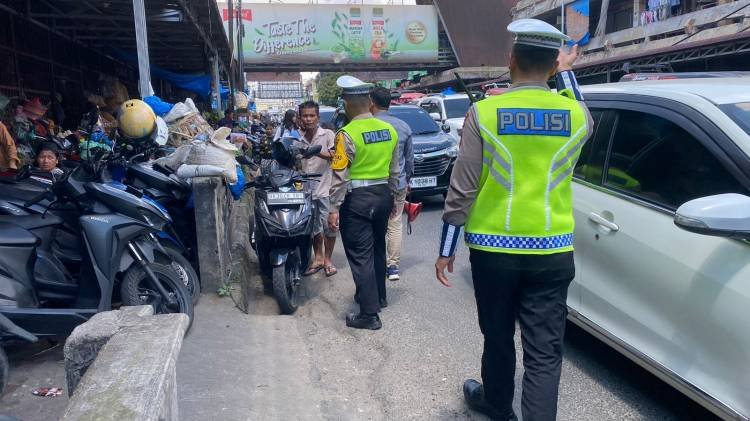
[{"x": 310, "y": 366}]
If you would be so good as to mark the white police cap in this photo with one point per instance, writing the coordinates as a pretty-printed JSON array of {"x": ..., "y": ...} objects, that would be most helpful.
[
  {"x": 537, "y": 33},
  {"x": 350, "y": 85}
]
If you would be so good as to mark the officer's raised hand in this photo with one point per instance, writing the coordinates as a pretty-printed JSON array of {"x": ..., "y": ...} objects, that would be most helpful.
[
  {"x": 440, "y": 265},
  {"x": 565, "y": 59}
]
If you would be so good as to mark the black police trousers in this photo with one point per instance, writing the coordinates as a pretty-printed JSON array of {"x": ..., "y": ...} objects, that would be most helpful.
[
  {"x": 363, "y": 219},
  {"x": 534, "y": 289}
]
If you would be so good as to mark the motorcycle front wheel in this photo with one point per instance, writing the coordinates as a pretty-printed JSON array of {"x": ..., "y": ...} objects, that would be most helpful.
[
  {"x": 185, "y": 271},
  {"x": 286, "y": 285},
  {"x": 136, "y": 290}
]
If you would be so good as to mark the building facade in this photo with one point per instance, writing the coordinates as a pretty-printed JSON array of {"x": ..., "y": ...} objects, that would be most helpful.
[{"x": 652, "y": 35}]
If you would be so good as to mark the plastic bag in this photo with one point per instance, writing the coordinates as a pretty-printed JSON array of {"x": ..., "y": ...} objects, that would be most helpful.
[
  {"x": 160, "y": 107},
  {"x": 181, "y": 110}
]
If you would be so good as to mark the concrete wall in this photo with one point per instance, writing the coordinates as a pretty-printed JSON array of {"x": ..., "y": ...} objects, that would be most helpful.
[
  {"x": 213, "y": 209},
  {"x": 121, "y": 365},
  {"x": 245, "y": 270},
  {"x": 223, "y": 232},
  {"x": 476, "y": 30}
]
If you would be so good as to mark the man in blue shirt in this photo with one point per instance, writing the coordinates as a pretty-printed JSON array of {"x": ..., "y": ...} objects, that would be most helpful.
[{"x": 381, "y": 101}]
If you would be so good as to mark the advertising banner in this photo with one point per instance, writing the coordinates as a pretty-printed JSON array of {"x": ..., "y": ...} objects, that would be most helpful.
[
  {"x": 577, "y": 21},
  {"x": 323, "y": 34}
]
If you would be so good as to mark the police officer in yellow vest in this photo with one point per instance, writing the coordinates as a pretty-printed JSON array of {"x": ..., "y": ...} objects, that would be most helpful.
[
  {"x": 511, "y": 188},
  {"x": 365, "y": 174}
]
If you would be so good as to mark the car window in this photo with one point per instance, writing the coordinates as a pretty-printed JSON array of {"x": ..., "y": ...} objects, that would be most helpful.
[
  {"x": 591, "y": 161},
  {"x": 430, "y": 107},
  {"x": 658, "y": 161},
  {"x": 417, "y": 119},
  {"x": 456, "y": 107},
  {"x": 326, "y": 115},
  {"x": 740, "y": 113}
]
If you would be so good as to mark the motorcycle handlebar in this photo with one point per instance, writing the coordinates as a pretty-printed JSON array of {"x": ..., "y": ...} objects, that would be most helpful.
[{"x": 36, "y": 199}]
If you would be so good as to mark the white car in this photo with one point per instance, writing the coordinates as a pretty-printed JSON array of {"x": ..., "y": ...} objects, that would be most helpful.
[
  {"x": 448, "y": 110},
  {"x": 660, "y": 276}
]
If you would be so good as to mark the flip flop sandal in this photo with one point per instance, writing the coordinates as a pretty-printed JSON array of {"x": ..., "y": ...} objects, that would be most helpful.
[
  {"x": 330, "y": 270},
  {"x": 313, "y": 270}
]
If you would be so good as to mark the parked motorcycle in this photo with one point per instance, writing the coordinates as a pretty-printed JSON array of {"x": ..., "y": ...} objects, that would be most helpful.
[
  {"x": 283, "y": 221},
  {"x": 49, "y": 298},
  {"x": 162, "y": 185},
  {"x": 67, "y": 241}
]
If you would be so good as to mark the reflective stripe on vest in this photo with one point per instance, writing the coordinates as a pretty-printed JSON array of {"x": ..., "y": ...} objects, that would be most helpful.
[
  {"x": 374, "y": 141},
  {"x": 532, "y": 140}
]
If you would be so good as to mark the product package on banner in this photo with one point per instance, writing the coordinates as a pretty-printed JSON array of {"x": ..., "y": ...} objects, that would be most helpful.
[{"x": 312, "y": 34}]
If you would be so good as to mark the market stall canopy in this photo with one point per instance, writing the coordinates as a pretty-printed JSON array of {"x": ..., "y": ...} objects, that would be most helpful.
[{"x": 182, "y": 34}]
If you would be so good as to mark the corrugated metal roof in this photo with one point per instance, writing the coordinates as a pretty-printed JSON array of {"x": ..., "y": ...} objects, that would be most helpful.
[{"x": 179, "y": 31}]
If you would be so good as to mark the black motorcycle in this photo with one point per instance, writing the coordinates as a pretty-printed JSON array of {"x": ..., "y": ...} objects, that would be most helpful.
[
  {"x": 283, "y": 221},
  {"x": 161, "y": 184},
  {"x": 48, "y": 297},
  {"x": 170, "y": 191}
]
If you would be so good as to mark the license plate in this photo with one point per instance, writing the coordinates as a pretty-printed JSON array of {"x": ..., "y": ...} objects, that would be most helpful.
[
  {"x": 419, "y": 182},
  {"x": 285, "y": 198}
]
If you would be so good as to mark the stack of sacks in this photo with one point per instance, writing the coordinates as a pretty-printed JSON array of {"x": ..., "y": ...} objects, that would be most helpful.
[{"x": 201, "y": 159}]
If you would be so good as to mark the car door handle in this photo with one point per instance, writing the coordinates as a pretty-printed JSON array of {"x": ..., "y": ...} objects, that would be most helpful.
[{"x": 600, "y": 220}]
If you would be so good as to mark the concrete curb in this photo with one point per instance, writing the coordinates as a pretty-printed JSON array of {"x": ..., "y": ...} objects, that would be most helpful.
[{"x": 121, "y": 365}]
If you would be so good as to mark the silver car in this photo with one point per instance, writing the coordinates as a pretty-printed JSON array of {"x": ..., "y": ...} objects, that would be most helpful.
[{"x": 662, "y": 277}]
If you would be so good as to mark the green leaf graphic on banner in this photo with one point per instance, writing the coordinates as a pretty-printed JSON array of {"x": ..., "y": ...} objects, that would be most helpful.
[{"x": 259, "y": 32}]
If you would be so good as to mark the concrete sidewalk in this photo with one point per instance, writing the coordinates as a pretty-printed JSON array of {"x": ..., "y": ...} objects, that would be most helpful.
[{"x": 266, "y": 366}]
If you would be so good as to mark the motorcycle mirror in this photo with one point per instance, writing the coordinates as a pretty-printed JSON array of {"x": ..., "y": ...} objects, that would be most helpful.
[{"x": 312, "y": 151}]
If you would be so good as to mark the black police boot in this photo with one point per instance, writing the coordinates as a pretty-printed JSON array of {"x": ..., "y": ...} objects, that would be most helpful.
[
  {"x": 383, "y": 303},
  {"x": 364, "y": 321},
  {"x": 356, "y": 298},
  {"x": 474, "y": 396}
]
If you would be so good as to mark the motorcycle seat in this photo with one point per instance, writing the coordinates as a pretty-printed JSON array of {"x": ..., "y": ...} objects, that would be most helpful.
[
  {"x": 31, "y": 222},
  {"x": 13, "y": 235}
]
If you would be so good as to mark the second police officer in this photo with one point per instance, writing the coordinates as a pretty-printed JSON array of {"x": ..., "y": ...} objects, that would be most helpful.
[{"x": 366, "y": 170}]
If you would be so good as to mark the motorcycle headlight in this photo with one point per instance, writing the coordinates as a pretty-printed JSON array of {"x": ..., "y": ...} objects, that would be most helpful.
[{"x": 452, "y": 152}]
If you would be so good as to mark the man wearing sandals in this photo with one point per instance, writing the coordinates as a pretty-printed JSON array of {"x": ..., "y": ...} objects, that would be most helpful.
[{"x": 324, "y": 236}]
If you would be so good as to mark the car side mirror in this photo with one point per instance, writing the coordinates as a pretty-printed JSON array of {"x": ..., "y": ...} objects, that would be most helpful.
[
  {"x": 436, "y": 116},
  {"x": 446, "y": 128},
  {"x": 723, "y": 215}
]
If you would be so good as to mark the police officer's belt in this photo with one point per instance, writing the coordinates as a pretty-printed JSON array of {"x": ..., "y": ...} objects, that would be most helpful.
[{"x": 355, "y": 184}]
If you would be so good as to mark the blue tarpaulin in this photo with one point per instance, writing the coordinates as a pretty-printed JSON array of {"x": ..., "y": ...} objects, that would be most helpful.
[{"x": 198, "y": 83}]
